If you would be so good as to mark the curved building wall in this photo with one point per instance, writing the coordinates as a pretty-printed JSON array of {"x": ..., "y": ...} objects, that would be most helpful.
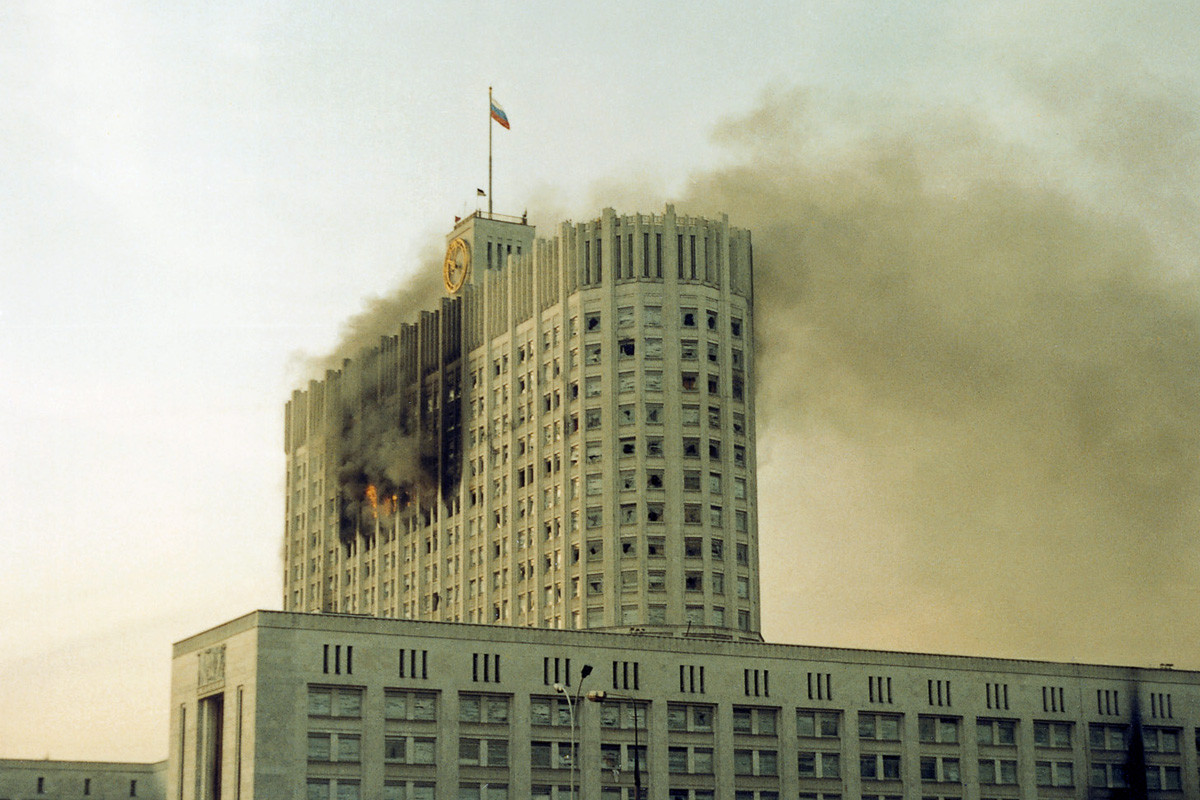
[{"x": 594, "y": 393}]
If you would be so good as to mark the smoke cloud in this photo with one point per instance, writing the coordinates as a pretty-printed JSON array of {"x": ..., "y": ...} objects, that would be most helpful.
[
  {"x": 978, "y": 366},
  {"x": 382, "y": 463},
  {"x": 979, "y": 371},
  {"x": 382, "y": 316}
]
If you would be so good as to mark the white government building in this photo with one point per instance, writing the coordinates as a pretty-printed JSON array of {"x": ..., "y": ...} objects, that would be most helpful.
[
  {"x": 325, "y": 707},
  {"x": 521, "y": 561},
  {"x": 568, "y": 442},
  {"x": 553, "y": 474}
]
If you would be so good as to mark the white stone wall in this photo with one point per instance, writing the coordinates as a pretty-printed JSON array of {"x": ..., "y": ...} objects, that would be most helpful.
[
  {"x": 760, "y": 698},
  {"x": 67, "y": 780},
  {"x": 608, "y": 420}
]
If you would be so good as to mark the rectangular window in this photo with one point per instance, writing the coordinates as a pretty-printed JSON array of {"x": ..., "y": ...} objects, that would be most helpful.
[
  {"x": 349, "y": 747},
  {"x": 819, "y": 765},
  {"x": 998, "y": 771},
  {"x": 1107, "y": 737},
  {"x": 753, "y": 719},
  {"x": 1052, "y": 734},
  {"x": 1110, "y": 776},
  {"x": 939, "y": 769},
  {"x": 817, "y": 724},
  {"x": 395, "y": 749},
  {"x": 1160, "y": 740},
  {"x": 739, "y": 488},
  {"x": 1049, "y": 773},
  {"x": 943, "y": 730},
  {"x": 339, "y": 701},
  {"x": 482, "y": 708},
  {"x": 319, "y": 747},
  {"x": 880, "y": 727},
  {"x": 996, "y": 732}
]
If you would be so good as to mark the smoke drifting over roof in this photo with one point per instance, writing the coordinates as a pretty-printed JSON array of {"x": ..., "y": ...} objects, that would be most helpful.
[
  {"x": 382, "y": 316},
  {"x": 381, "y": 463},
  {"x": 979, "y": 370},
  {"x": 978, "y": 366}
]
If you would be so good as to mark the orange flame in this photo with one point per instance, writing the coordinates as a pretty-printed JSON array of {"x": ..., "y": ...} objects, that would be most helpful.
[{"x": 373, "y": 499}]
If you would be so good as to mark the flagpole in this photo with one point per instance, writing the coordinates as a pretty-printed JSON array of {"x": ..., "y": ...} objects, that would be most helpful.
[{"x": 489, "y": 152}]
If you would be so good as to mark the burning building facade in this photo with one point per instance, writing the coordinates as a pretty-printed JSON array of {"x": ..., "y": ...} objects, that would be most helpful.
[{"x": 566, "y": 442}]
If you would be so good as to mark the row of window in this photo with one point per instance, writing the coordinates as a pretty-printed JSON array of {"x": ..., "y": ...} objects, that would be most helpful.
[
  {"x": 351, "y": 789},
  {"x": 652, "y": 380},
  {"x": 331, "y": 701},
  {"x": 628, "y": 447},
  {"x": 656, "y": 581},
  {"x": 652, "y": 349},
  {"x": 656, "y": 513},
  {"x": 418, "y": 750},
  {"x": 656, "y": 614},
  {"x": 689, "y": 318}
]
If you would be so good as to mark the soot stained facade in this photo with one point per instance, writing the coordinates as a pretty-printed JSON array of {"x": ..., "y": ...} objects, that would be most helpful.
[
  {"x": 567, "y": 441},
  {"x": 563, "y": 453}
]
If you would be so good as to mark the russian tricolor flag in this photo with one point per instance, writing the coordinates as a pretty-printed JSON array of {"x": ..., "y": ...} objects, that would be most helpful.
[{"x": 499, "y": 115}]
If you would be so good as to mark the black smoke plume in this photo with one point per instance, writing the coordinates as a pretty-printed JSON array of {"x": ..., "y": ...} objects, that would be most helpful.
[{"x": 383, "y": 461}]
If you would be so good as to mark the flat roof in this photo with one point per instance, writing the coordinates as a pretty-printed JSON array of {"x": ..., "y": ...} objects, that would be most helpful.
[{"x": 684, "y": 645}]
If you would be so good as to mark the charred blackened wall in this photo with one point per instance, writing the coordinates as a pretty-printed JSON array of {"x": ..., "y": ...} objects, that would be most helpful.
[{"x": 374, "y": 443}]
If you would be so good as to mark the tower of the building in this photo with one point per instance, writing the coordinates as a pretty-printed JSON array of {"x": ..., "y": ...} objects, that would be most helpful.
[{"x": 568, "y": 441}]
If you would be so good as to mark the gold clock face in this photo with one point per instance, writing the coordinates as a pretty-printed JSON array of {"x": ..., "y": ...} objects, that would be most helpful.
[{"x": 457, "y": 267}]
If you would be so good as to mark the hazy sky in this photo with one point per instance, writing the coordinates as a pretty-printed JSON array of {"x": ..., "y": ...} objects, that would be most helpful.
[{"x": 976, "y": 235}]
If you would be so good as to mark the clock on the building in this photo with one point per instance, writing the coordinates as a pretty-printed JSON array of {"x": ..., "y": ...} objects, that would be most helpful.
[{"x": 457, "y": 267}]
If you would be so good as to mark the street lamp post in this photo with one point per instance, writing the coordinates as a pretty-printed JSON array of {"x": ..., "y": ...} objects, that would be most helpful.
[
  {"x": 600, "y": 697},
  {"x": 558, "y": 687}
]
